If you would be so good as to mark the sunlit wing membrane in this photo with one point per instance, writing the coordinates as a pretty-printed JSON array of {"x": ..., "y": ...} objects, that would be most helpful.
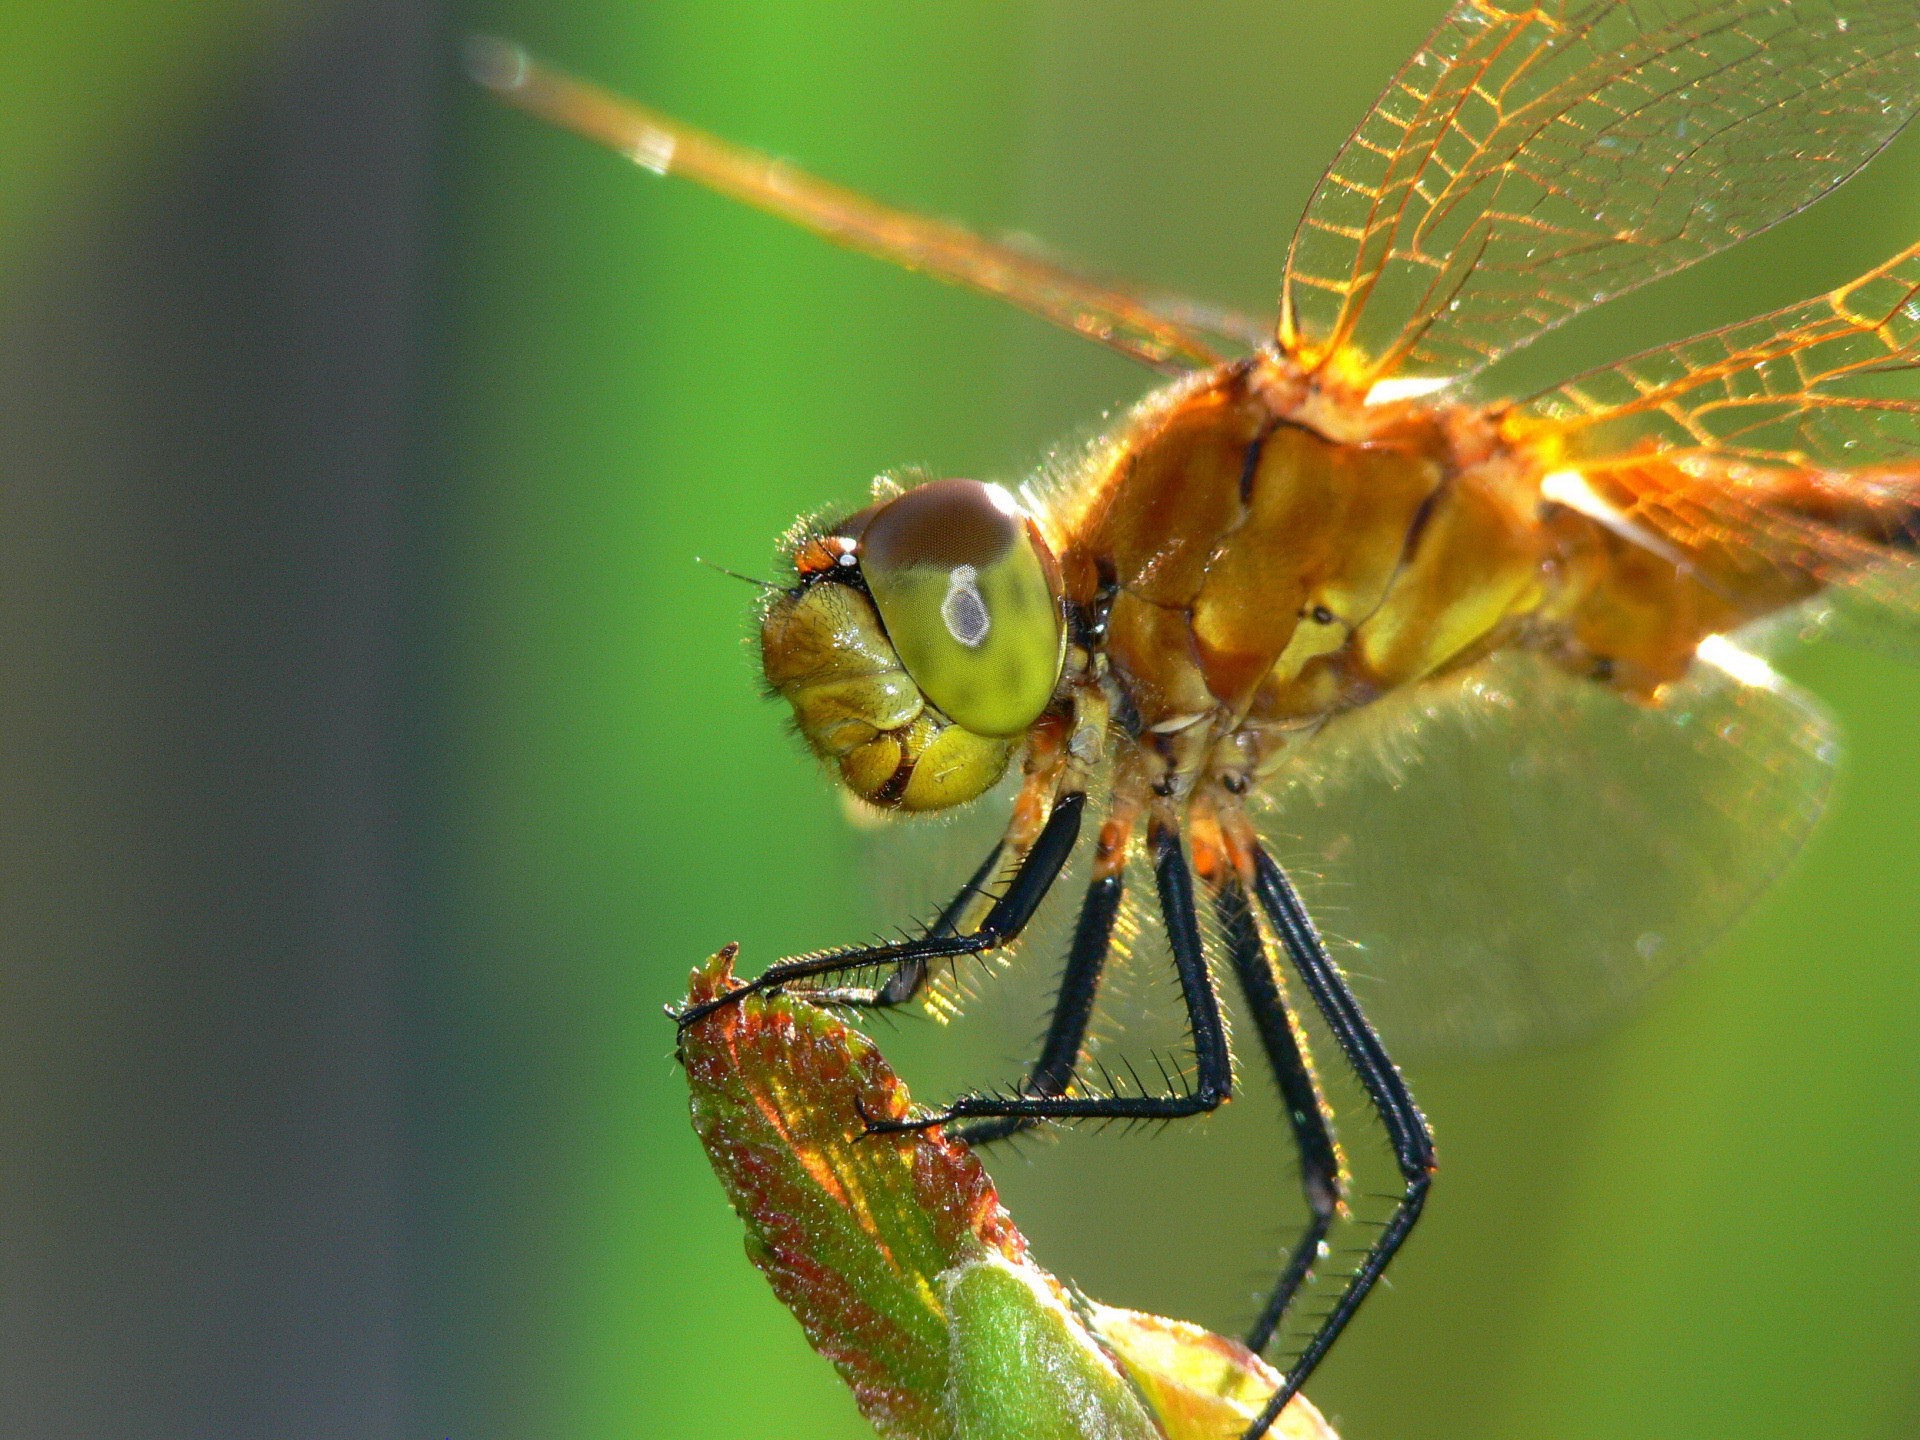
[
  {"x": 1166, "y": 333},
  {"x": 1531, "y": 162},
  {"x": 1793, "y": 438},
  {"x": 1828, "y": 382},
  {"x": 1542, "y": 848}
]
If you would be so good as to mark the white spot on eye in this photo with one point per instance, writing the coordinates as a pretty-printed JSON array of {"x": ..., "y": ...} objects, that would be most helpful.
[
  {"x": 848, "y": 558},
  {"x": 963, "y": 609}
]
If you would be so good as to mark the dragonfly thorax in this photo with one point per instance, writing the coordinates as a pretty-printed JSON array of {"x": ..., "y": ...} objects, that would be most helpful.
[{"x": 1263, "y": 557}]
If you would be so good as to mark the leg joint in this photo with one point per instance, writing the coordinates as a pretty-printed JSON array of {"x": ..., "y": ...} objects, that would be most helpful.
[{"x": 1211, "y": 1094}]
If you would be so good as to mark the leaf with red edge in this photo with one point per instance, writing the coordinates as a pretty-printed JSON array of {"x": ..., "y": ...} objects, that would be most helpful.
[{"x": 895, "y": 1256}]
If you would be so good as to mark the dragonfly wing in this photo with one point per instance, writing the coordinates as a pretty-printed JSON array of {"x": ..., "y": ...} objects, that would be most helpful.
[
  {"x": 1830, "y": 381},
  {"x": 1507, "y": 855},
  {"x": 1531, "y": 161},
  {"x": 1165, "y": 332},
  {"x": 1793, "y": 438}
]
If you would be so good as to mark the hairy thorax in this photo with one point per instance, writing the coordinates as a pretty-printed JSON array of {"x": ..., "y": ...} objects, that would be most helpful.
[{"x": 1257, "y": 555}]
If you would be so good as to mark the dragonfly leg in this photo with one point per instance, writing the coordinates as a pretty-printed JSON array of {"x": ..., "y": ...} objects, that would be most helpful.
[
  {"x": 1008, "y": 915},
  {"x": 1213, "y": 1078},
  {"x": 1322, "y": 1172},
  {"x": 1053, "y": 1073},
  {"x": 1406, "y": 1127},
  {"x": 909, "y": 977}
]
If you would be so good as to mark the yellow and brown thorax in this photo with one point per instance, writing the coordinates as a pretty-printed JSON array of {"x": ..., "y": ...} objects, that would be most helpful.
[{"x": 1251, "y": 555}]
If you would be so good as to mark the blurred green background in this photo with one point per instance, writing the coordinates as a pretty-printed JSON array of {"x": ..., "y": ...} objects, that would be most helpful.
[{"x": 383, "y": 760}]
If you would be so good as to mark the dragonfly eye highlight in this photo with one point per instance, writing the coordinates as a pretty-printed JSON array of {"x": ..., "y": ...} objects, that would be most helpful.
[{"x": 965, "y": 589}]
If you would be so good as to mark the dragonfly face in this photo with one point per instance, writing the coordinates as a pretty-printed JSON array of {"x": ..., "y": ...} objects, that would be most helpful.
[
  {"x": 922, "y": 638},
  {"x": 1477, "y": 655}
]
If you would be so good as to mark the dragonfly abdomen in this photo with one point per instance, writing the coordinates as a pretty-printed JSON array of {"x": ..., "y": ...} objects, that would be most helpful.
[{"x": 1659, "y": 551}]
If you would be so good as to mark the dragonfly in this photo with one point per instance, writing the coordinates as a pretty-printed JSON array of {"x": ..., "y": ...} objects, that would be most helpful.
[{"x": 1326, "y": 626}]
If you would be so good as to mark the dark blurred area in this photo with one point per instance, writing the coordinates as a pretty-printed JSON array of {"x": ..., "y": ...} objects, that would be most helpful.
[{"x": 210, "y": 382}]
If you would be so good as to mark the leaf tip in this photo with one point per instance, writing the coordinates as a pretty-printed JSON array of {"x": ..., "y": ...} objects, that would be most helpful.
[{"x": 895, "y": 1255}]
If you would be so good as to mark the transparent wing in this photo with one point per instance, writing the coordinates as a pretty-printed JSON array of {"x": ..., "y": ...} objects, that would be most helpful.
[
  {"x": 1831, "y": 381},
  {"x": 1791, "y": 440},
  {"x": 1167, "y": 333},
  {"x": 1532, "y": 161},
  {"x": 1508, "y": 855}
]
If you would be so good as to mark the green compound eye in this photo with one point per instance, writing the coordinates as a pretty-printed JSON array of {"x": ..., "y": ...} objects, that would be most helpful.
[{"x": 957, "y": 575}]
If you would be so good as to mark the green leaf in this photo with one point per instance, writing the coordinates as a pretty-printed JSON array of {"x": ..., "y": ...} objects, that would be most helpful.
[
  {"x": 1025, "y": 1368},
  {"x": 895, "y": 1256}
]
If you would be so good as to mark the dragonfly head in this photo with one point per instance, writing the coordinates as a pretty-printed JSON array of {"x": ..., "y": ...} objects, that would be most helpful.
[{"x": 921, "y": 640}]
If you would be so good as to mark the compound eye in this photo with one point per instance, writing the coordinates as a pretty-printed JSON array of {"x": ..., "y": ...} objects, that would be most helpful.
[{"x": 958, "y": 576}]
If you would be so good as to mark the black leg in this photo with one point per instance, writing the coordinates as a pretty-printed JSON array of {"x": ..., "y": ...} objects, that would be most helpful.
[
  {"x": 1003, "y": 921},
  {"x": 1059, "y": 1058},
  {"x": 1406, "y": 1127},
  {"x": 909, "y": 976},
  {"x": 1322, "y": 1176},
  {"x": 1213, "y": 1081}
]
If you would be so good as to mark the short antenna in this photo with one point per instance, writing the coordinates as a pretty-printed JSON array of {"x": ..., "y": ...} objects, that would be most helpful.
[{"x": 767, "y": 585}]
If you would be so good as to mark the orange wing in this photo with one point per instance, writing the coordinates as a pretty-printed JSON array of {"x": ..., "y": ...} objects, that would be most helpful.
[
  {"x": 1167, "y": 333},
  {"x": 1532, "y": 161},
  {"x": 1793, "y": 438}
]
